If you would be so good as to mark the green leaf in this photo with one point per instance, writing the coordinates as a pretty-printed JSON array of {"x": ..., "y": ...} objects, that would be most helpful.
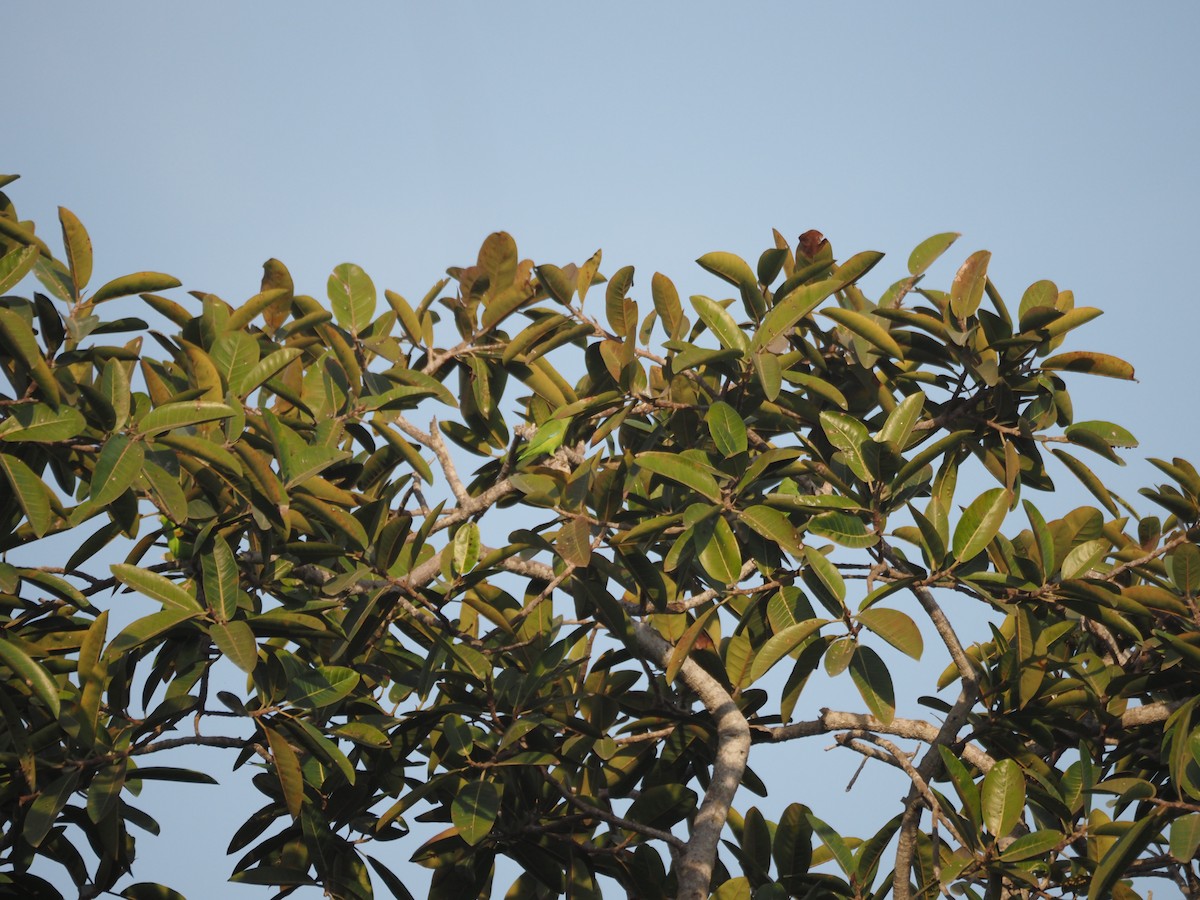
[
  {"x": 474, "y": 809},
  {"x": 720, "y": 323},
  {"x": 146, "y": 629},
  {"x": 157, "y": 587},
  {"x": 465, "y": 548},
  {"x": 874, "y": 682},
  {"x": 927, "y": 252},
  {"x": 561, "y": 286},
  {"x": 790, "y": 309},
  {"x": 1041, "y": 295},
  {"x": 15, "y": 265},
  {"x": 666, "y": 302},
  {"x": 1068, "y": 320},
  {"x": 980, "y": 523},
  {"x": 31, "y": 673},
  {"x": 145, "y": 890},
  {"x": 236, "y": 641},
  {"x": 729, "y": 267},
  {"x": 727, "y": 429},
  {"x": 734, "y": 889},
  {"x": 843, "y": 528},
  {"x": 1090, "y": 363},
  {"x": 181, "y": 415},
  {"x": 964, "y": 785},
  {"x": 1003, "y": 797},
  {"x": 1083, "y": 558},
  {"x": 1106, "y": 431},
  {"x": 720, "y": 555},
  {"x": 901, "y": 420},
  {"x": 1030, "y": 846},
  {"x": 234, "y": 355},
  {"x": 41, "y": 423},
  {"x": 895, "y": 627},
  {"x": 769, "y": 373},
  {"x": 1185, "y": 837},
  {"x": 137, "y": 283},
  {"x": 574, "y": 541},
  {"x": 20, "y": 336},
  {"x": 782, "y": 644},
  {"x": 45, "y": 809},
  {"x": 826, "y": 573},
  {"x": 321, "y": 687},
  {"x": 684, "y": 645},
  {"x": 78, "y": 246},
  {"x": 1114, "y": 865},
  {"x": 287, "y": 770},
  {"x": 774, "y": 526},
  {"x": 792, "y": 847},
  {"x": 1089, "y": 480},
  {"x": 675, "y": 467},
  {"x": 850, "y": 436},
  {"x": 1044, "y": 538},
  {"x": 837, "y": 846},
  {"x": 966, "y": 291},
  {"x": 32, "y": 494},
  {"x": 219, "y": 575},
  {"x": 818, "y": 386},
  {"x": 866, "y": 328},
  {"x": 120, "y": 462},
  {"x": 352, "y": 296}
]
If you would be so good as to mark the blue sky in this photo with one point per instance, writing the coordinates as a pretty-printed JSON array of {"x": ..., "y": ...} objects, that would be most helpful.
[{"x": 200, "y": 140}]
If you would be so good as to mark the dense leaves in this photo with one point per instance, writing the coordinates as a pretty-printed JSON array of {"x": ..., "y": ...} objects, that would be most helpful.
[{"x": 543, "y": 573}]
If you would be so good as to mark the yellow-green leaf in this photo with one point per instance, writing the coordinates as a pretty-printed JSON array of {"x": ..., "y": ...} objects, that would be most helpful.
[
  {"x": 1003, "y": 797},
  {"x": 727, "y": 428},
  {"x": 980, "y": 523},
  {"x": 1090, "y": 363},
  {"x": 32, "y": 494},
  {"x": 137, "y": 283},
  {"x": 895, "y": 627},
  {"x": 720, "y": 323},
  {"x": 927, "y": 252},
  {"x": 866, "y": 328},
  {"x": 236, "y": 641},
  {"x": 720, "y": 555},
  {"x": 157, "y": 587},
  {"x": 966, "y": 291},
  {"x": 672, "y": 466},
  {"x": 120, "y": 462}
]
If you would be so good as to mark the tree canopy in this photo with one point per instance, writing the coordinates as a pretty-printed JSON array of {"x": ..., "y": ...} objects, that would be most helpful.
[{"x": 543, "y": 558}]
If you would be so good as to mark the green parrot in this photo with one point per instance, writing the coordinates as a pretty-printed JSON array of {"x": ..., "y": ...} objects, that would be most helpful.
[{"x": 549, "y": 437}]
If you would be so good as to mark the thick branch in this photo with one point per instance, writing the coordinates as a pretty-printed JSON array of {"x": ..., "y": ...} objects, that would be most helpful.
[
  {"x": 832, "y": 720},
  {"x": 907, "y": 842},
  {"x": 733, "y": 748}
]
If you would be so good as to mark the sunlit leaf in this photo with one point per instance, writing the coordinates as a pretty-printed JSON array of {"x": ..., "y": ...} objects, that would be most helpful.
[
  {"x": 980, "y": 523},
  {"x": 1003, "y": 797}
]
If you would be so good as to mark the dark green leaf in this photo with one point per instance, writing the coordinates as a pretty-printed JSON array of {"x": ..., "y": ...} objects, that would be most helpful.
[
  {"x": 874, "y": 682},
  {"x": 31, "y": 674}
]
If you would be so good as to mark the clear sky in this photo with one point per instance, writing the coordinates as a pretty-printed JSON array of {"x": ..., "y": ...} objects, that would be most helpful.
[{"x": 201, "y": 139}]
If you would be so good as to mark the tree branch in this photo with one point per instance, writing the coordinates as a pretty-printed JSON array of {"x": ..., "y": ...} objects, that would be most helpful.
[
  {"x": 611, "y": 818},
  {"x": 733, "y": 748},
  {"x": 832, "y": 720}
]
